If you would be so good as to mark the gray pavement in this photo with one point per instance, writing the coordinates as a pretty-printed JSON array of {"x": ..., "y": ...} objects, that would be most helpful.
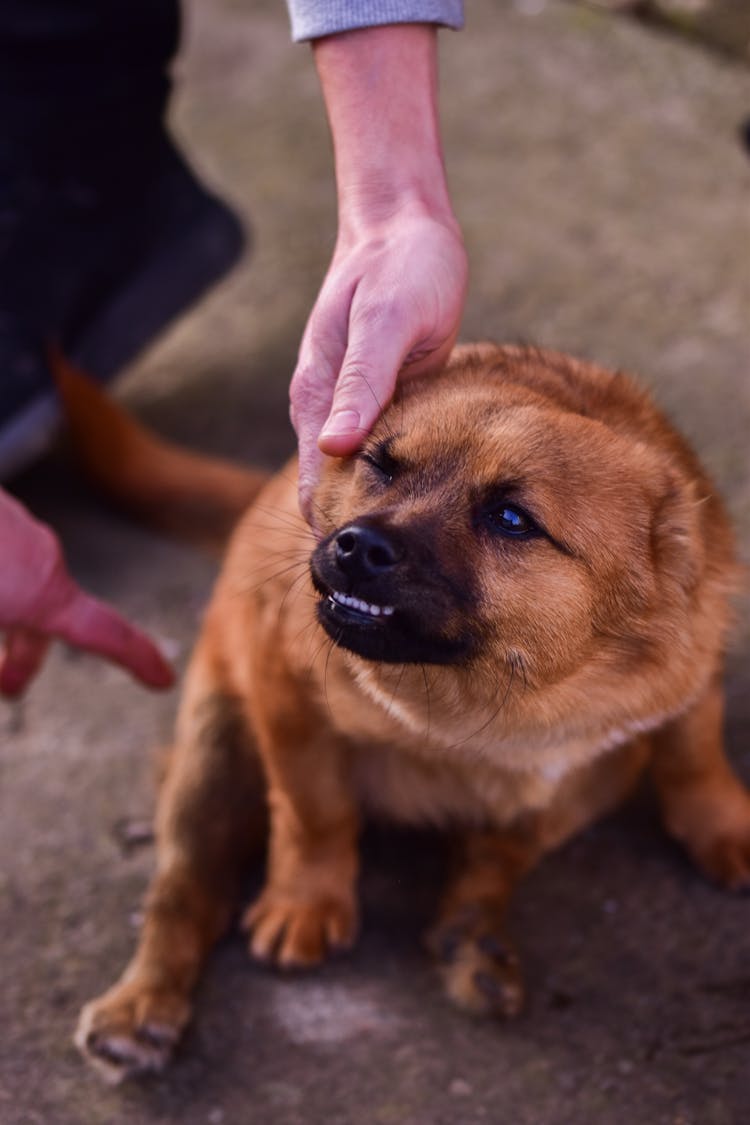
[{"x": 605, "y": 197}]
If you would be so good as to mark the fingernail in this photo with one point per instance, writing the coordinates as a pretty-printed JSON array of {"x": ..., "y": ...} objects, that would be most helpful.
[{"x": 341, "y": 422}]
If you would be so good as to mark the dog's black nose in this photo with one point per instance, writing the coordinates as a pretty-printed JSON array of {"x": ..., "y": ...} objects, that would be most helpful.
[{"x": 365, "y": 551}]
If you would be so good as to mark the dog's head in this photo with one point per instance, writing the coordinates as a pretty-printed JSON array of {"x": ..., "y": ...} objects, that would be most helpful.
[{"x": 520, "y": 511}]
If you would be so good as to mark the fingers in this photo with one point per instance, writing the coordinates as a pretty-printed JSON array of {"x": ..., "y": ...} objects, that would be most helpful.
[
  {"x": 366, "y": 381},
  {"x": 310, "y": 394},
  {"x": 390, "y": 306},
  {"x": 39, "y": 601},
  {"x": 340, "y": 388},
  {"x": 20, "y": 659},
  {"x": 310, "y": 465},
  {"x": 313, "y": 384},
  {"x": 89, "y": 624},
  {"x": 96, "y": 627}
]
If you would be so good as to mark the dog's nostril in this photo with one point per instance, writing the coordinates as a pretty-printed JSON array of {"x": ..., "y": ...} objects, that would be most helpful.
[
  {"x": 380, "y": 557},
  {"x": 346, "y": 543},
  {"x": 366, "y": 550}
]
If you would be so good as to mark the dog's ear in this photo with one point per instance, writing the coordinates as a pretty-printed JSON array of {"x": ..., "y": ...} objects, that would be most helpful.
[{"x": 676, "y": 533}]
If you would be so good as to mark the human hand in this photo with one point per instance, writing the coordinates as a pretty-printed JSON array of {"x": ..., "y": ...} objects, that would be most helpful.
[
  {"x": 391, "y": 305},
  {"x": 39, "y": 601}
]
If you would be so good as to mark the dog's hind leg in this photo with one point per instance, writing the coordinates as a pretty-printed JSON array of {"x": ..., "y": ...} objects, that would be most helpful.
[
  {"x": 704, "y": 804},
  {"x": 211, "y": 813}
]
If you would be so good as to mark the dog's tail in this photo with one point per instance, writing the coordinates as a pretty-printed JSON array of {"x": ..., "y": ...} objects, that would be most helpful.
[{"x": 192, "y": 496}]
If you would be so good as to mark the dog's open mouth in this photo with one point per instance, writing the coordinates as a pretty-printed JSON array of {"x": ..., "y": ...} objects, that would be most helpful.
[
  {"x": 356, "y": 609},
  {"x": 382, "y": 631},
  {"x": 346, "y": 616}
]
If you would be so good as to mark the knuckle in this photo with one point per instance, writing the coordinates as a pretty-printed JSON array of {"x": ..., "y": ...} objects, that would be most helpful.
[
  {"x": 379, "y": 314},
  {"x": 354, "y": 373}
]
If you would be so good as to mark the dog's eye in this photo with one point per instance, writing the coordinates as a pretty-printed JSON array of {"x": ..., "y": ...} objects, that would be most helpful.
[
  {"x": 381, "y": 461},
  {"x": 512, "y": 521}
]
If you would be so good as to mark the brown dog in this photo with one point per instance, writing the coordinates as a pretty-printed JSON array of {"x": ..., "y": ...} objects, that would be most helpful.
[{"x": 519, "y": 601}]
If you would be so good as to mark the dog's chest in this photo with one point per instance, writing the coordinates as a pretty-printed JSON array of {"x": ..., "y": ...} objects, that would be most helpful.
[{"x": 415, "y": 789}]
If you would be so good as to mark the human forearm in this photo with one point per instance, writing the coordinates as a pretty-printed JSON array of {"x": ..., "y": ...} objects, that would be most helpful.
[{"x": 380, "y": 90}]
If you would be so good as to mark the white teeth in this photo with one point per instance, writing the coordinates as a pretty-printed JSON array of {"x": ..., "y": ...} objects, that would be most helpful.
[{"x": 362, "y": 607}]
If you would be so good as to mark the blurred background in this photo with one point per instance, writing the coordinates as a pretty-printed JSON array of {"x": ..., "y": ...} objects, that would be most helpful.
[{"x": 598, "y": 164}]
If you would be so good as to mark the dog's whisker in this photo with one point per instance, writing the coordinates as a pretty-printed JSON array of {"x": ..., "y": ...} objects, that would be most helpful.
[
  {"x": 427, "y": 698},
  {"x": 325, "y": 673},
  {"x": 316, "y": 506},
  {"x": 289, "y": 519},
  {"x": 286, "y": 551},
  {"x": 290, "y": 588},
  {"x": 308, "y": 627},
  {"x": 286, "y": 554},
  {"x": 249, "y": 589},
  {"x": 280, "y": 525},
  {"x": 325, "y": 640},
  {"x": 383, "y": 416},
  {"x": 294, "y": 534},
  {"x": 392, "y": 700}
]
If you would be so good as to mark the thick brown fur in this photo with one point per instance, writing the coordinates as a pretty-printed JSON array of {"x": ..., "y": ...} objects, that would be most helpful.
[{"x": 519, "y": 601}]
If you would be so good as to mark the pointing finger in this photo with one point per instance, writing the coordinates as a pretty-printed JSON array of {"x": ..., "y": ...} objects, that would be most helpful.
[{"x": 92, "y": 625}]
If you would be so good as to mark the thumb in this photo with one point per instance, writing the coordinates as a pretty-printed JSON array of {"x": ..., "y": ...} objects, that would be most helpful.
[{"x": 363, "y": 390}]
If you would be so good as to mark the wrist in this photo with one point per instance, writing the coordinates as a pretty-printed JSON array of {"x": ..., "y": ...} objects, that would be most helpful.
[
  {"x": 380, "y": 89},
  {"x": 370, "y": 219}
]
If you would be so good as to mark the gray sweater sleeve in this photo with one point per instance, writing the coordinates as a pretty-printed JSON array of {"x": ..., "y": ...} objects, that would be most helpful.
[{"x": 313, "y": 18}]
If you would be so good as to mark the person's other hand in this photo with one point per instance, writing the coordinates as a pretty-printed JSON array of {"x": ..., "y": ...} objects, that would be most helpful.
[{"x": 39, "y": 602}]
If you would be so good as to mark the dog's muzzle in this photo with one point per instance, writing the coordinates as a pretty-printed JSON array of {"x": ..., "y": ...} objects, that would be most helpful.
[{"x": 375, "y": 602}]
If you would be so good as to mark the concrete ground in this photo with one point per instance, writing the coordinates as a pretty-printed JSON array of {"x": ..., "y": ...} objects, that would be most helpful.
[{"x": 605, "y": 198}]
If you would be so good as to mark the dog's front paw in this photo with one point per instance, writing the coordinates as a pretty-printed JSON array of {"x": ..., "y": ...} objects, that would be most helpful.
[
  {"x": 132, "y": 1029},
  {"x": 479, "y": 967},
  {"x": 726, "y": 860},
  {"x": 295, "y": 933}
]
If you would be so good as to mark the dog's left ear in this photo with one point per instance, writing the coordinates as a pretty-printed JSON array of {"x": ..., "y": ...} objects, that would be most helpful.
[{"x": 676, "y": 533}]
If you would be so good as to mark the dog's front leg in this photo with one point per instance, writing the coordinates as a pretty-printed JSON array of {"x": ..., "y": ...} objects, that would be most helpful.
[
  {"x": 704, "y": 804},
  {"x": 308, "y": 905},
  {"x": 479, "y": 966},
  {"x": 211, "y": 817}
]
